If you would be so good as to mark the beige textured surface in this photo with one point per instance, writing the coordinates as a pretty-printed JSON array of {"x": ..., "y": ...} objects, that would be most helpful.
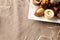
[{"x": 14, "y": 24}]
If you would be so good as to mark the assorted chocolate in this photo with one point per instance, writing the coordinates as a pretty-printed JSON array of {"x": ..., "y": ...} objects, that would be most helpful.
[{"x": 48, "y": 8}]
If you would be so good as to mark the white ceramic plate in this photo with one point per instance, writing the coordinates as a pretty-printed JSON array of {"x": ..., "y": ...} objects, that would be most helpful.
[{"x": 31, "y": 15}]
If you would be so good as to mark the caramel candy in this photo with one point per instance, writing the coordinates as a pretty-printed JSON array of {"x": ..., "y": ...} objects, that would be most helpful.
[{"x": 39, "y": 12}]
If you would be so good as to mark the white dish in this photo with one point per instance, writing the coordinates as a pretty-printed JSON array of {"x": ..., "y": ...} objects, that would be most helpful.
[{"x": 31, "y": 15}]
